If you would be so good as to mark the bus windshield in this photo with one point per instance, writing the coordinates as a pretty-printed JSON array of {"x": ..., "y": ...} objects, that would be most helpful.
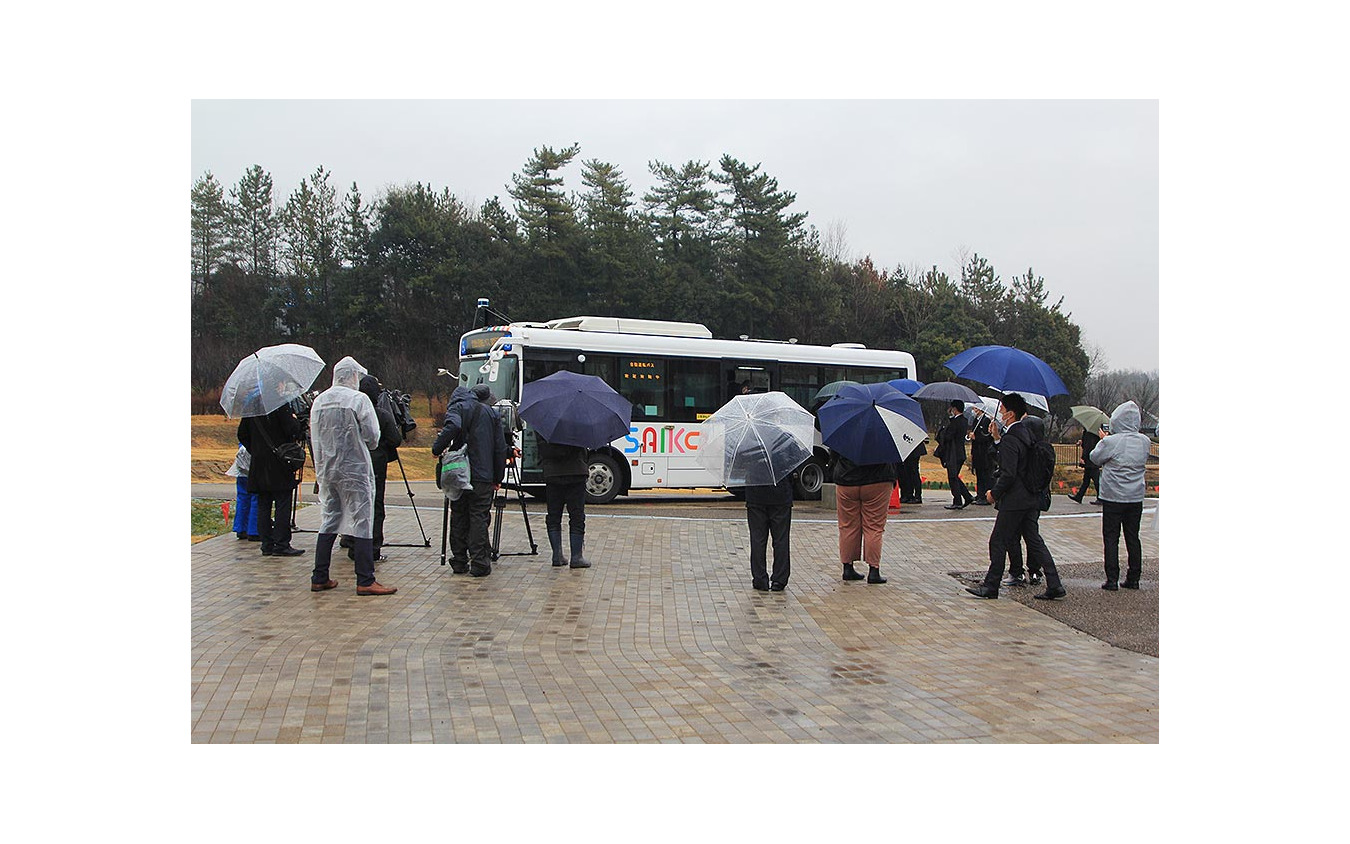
[{"x": 503, "y": 386}]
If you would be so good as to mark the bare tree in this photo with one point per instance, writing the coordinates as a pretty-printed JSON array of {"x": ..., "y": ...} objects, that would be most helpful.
[{"x": 835, "y": 244}]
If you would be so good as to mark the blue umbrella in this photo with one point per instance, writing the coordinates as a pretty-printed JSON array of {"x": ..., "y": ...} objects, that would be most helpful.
[
  {"x": 1009, "y": 370},
  {"x": 873, "y": 423},
  {"x": 571, "y": 409},
  {"x": 908, "y": 386}
]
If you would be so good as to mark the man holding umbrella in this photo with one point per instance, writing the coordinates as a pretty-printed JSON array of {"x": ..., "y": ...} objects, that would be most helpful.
[
  {"x": 952, "y": 452},
  {"x": 1019, "y": 508}
]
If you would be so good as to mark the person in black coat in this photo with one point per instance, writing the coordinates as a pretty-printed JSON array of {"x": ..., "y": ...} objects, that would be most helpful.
[
  {"x": 273, "y": 482},
  {"x": 565, "y": 468},
  {"x": 981, "y": 456},
  {"x": 1019, "y": 508},
  {"x": 469, "y": 420},
  {"x": 911, "y": 481},
  {"x": 768, "y": 511},
  {"x": 1092, "y": 473},
  {"x": 952, "y": 452},
  {"x": 391, "y": 437}
]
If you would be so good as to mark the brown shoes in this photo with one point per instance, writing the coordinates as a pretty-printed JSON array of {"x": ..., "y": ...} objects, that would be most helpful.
[
  {"x": 319, "y": 587},
  {"x": 375, "y": 589}
]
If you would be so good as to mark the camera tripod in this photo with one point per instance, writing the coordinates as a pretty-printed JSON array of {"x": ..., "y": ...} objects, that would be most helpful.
[
  {"x": 510, "y": 482},
  {"x": 426, "y": 541}
]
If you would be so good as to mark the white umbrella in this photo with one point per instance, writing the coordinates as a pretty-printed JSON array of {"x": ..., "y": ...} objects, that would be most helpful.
[
  {"x": 268, "y": 378},
  {"x": 756, "y": 439}
]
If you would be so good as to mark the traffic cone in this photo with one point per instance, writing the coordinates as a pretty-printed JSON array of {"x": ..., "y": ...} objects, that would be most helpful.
[{"x": 895, "y": 498}]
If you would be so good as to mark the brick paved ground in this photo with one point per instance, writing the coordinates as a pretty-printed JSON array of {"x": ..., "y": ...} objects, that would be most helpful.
[{"x": 662, "y": 641}]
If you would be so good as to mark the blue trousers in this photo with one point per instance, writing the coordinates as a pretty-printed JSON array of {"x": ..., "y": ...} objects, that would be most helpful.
[{"x": 245, "y": 508}]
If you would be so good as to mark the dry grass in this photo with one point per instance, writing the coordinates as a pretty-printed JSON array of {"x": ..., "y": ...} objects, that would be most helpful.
[{"x": 215, "y": 442}]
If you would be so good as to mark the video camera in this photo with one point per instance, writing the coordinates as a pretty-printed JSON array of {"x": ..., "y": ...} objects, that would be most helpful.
[
  {"x": 399, "y": 404},
  {"x": 300, "y": 406}
]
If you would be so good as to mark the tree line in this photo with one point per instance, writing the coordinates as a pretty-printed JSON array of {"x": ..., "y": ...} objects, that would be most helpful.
[{"x": 394, "y": 280}]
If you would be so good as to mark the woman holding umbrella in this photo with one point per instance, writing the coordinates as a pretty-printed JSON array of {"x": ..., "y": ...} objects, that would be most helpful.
[
  {"x": 571, "y": 414},
  {"x": 272, "y": 480},
  {"x": 565, "y": 468}
]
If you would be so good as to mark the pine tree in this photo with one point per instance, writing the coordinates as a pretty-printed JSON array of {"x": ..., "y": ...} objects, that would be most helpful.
[
  {"x": 253, "y": 224},
  {"x": 210, "y": 229}
]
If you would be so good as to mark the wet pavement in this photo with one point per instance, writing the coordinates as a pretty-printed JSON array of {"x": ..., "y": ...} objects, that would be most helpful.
[{"x": 662, "y": 640}]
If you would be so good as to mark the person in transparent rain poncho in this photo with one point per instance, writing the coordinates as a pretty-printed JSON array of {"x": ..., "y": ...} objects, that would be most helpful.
[{"x": 343, "y": 429}]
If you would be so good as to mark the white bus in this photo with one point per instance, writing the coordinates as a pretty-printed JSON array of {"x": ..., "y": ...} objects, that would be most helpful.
[{"x": 676, "y": 375}]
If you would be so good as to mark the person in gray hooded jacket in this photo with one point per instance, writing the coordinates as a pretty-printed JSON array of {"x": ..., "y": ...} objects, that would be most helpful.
[{"x": 1122, "y": 454}]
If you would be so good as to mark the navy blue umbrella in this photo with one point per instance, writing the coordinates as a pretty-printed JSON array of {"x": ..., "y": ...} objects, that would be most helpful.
[
  {"x": 571, "y": 409},
  {"x": 908, "y": 386},
  {"x": 1007, "y": 369},
  {"x": 872, "y": 423}
]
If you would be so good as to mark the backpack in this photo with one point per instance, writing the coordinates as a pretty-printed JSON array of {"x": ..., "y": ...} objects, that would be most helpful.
[
  {"x": 453, "y": 469},
  {"x": 1039, "y": 470}
]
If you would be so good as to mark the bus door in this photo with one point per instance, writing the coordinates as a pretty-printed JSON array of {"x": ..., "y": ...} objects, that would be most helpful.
[{"x": 642, "y": 380}]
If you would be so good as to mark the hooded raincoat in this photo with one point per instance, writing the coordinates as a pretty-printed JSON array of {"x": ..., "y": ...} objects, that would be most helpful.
[
  {"x": 1122, "y": 456},
  {"x": 343, "y": 430}
]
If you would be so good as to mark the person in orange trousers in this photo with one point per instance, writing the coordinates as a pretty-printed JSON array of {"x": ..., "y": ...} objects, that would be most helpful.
[{"x": 863, "y": 496}]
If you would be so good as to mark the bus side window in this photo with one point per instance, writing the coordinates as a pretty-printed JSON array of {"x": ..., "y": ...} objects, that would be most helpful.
[
  {"x": 643, "y": 382},
  {"x": 693, "y": 388}
]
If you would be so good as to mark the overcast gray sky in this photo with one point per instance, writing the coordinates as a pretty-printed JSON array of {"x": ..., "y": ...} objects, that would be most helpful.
[{"x": 1066, "y": 187}]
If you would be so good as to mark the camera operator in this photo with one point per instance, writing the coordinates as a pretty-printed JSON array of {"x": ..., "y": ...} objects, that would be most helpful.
[{"x": 391, "y": 437}]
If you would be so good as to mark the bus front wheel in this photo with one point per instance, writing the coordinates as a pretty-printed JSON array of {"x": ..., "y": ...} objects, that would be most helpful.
[{"x": 602, "y": 485}]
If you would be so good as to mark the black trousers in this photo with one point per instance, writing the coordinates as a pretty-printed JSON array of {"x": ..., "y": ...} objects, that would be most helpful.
[
  {"x": 323, "y": 558},
  {"x": 1091, "y": 475},
  {"x": 569, "y": 494},
  {"x": 275, "y": 532},
  {"x": 1114, "y": 517},
  {"x": 1009, "y": 526},
  {"x": 470, "y": 516},
  {"x": 381, "y": 475},
  {"x": 960, "y": 495},
  {"x": 911, "y": 483},
  {"x": 766, "y": 519},
  {"x": 984, "y": 471}
]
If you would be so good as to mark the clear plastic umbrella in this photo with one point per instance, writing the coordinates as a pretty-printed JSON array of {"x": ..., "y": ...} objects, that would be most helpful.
[
  {"x": 268, "y": 378},
  {"x": 756, "y": 439}
]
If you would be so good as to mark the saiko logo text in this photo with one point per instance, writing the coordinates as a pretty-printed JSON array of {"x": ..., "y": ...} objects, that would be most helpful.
[{"x": 653, "y": 440}]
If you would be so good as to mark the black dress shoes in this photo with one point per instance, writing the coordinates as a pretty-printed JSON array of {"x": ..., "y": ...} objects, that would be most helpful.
[
  {"x": 982, "y": 591},
  {"x": 1016, "y": 580},
  {"x": 778, "y": 587},
  {"x": 1052, "y": 594},
  {"x": 761, "y": 586},
  {"x": 1110, "y": 586},
  {"x": 953, "y": 506},
  {"x": 288, "y": 551},
  {"x": 1129, "y": 584},
  {"x": 981, "y": 502}
]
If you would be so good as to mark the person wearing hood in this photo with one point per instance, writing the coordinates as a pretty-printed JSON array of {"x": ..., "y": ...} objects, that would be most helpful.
[
  {"x": 391, "y": 437},
  {"x": 1122, "y": 455},
  {"x": 981, "y": 455},
  {"x": 1019, "y": 508},
  {"x": 343, "y": 431},
  {"x": 471, "y": 422}
]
